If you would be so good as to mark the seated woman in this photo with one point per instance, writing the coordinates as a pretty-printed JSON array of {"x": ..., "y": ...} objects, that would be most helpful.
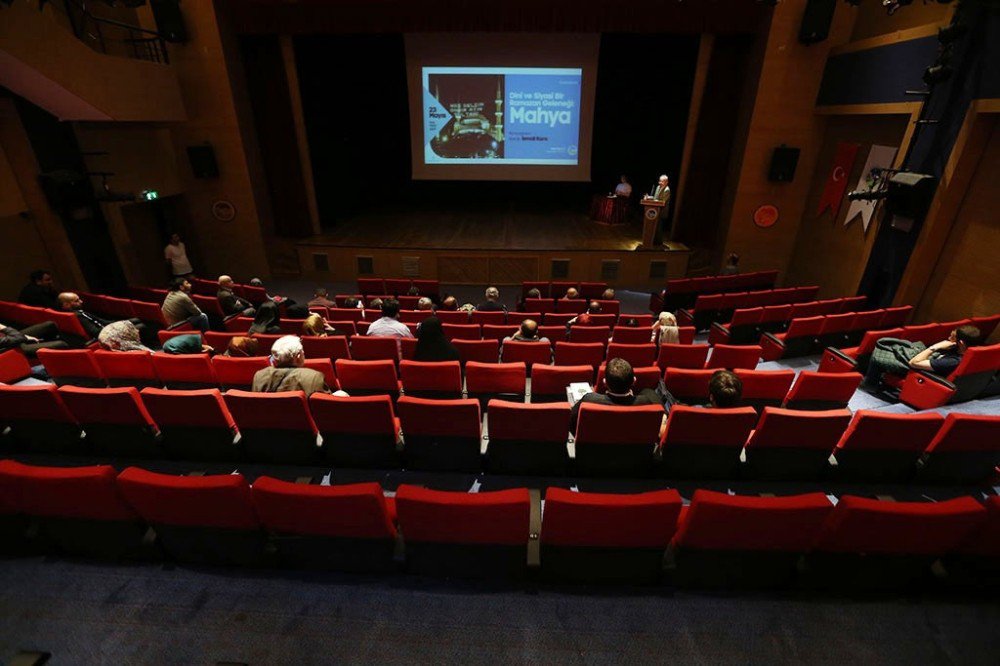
[
  {"x": 186, "y": 344},
  {"x": 665, "y": 330},
  {"x": 431, "y": 343},
  {"x": 121, "y": 336},
  {"x": 267, "y": 320}
]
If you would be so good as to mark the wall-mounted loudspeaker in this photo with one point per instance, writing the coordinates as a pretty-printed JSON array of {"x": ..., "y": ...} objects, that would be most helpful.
[
  {"x": 816, "y": 21},
  {"x": 203, "y": 163},
  {"x": 169, "y": 21},
  {"x": 783, "y": 163}
]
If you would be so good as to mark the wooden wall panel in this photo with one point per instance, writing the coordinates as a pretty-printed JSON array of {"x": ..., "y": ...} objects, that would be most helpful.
[
  {"x": 463, "y": 270},
  {"x": 512, "y": 270},
  {"x": 11, "y": 200}
]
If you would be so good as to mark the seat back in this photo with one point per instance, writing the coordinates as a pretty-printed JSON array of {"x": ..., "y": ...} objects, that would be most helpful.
[
  {"x": 883, "y": 446},
  {"x": 368, "y": 377},
  {"x": 115, "y": 419},
  {"x": 496, "y": 318},
  {"x": 645, "y": 378},
  {"x": 38, "y": 419},
  {"x": 705, "y": 442},
  {"x": 485, "y": 381},
  {"x": 358, "y": 431},
  {"x": 549, "y": 382},
  {"x": 441, "y": 379},
  {"x": 196, "y": 425},
  {"x": 617, "y": 440},
  {"x": 637, "y": 355},
  {"x": 529, "y": 353},
  {"x": 75, "y": 367},
  {"x": 896, "y": 316},
  {"x": 498, "y": 332},
  {"x": 462, "y": 331},
  {"x": 528, "y": 438},
  {"x": 734, "y": 356},
  {"x": 128, "y": 368},
  {"x": 573, "y": 305},
  {"x": 328, "y": 347},
  {"x": 688, "y": 386},
  {"x": 275, "y": 427},
  {"x": 590, "y": 334},
  {"x": 441, "y": 434},
  {"x": 630, "y": 335},
  {"x": 822, "y": 390},
  {"x": 237, "y": 373},
  {"x": 579, "y": 353},
  {"x": 479, "y": 351},
  {"x": 185, "y": 371},
  {"x": 764, "y": 388},
  {"x": 791, "y": 444},
  {"x": 13, "y": 367},
  {"x": 965, "y": 450},
  {"x": 374, "y": 348}
]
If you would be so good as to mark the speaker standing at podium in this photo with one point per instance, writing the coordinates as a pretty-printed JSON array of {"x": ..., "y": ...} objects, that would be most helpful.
[{"x": 661, "y": 193}]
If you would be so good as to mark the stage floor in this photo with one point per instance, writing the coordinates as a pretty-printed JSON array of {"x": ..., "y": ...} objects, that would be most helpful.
[{"x": 481, "y": 230}]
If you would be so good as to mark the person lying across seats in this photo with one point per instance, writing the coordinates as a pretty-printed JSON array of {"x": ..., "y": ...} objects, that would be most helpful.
[
  {"x": 30, "y": 339},
  {"x": 897, "y": 357},
  {"x": 286, "y": 372},
  {"x": 92, "y": 324},
  {"x": 619, "y": 389}
]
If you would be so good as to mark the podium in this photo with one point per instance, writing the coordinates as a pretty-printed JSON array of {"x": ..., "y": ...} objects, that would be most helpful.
[{"x": 651, "y": 209}]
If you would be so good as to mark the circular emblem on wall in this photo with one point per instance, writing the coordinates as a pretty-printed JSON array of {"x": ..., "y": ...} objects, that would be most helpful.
[
  {"x": 651, "y": 213},
  {"x": 223, "y": 211},
  {"x": 765, "y": 216}
]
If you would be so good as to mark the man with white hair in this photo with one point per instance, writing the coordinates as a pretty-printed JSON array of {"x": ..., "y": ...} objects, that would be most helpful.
[
  {"x": 230, "y": 303},
  {"x": 425, "y": 303},
  {"x": 661, "y": 193},
  {"x": 286, "y": 372},
  {"x": 492, "y": 303}
]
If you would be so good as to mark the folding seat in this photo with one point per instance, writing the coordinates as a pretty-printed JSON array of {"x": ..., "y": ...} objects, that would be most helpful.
[
  {"x": 882, "y": 544},
  {"x": 879, "y": 446},
  {"x": 607, "y": 537},
  {"x": 368, "y": 377},
  {"x": 430, "y": 288},
  {"x": 329, "y": 347},
  {"x": 734, "y": 356},
  {"x": 219, "y": 340},
  {"x": 764, "y": 388},
  {"x": 237, "y": 373},
  {"x": 775, "y": 318},
  {"x": 37, "y": 420},
  {"x": 549, "y": 382},
  {"x": 807, "y": 309},
  {"x": 238, "y": 325},
  {"x": 977, "y": 559},
  {"x": 822, "y": 390},
  {"x": 275, "y": 427},
  {"x": 128, "y": 368},
  {"x": 321, "y": 310},
  {"x": 801, "y": 339},
  {"x": 639, "y": 319},
  {"x": 343, "y": 528},
  {"x": 542, "y": 287},
  {"x": 636, "y": 355},
  {"x": 13, "y": 367},
  {"x": 790, "y": 444},
  {"x": 559, "y": 289},
  {"x": 608, "y": 320},
  {"x": 357, "y": 431},
  {"x": 528, "y": 438},
  {"x": 497, "y": 332},
  {"x": 452, "y": 317},
  {"x": 75, "y": 367},
  {"x": 807, "y": 293},
  {"x": 374, "y": 348},
  {"x": 863, "y": 322},
  {"x": 630, "y": 335},
  {"x": 896, "y": 316},
  {"x": 407, "y": 349},
  {"x": 856, "y": 358},
  {"x": 555, "y": 334},
  {"x": 559, "y": 318},
  {"x": 927, "y": 333},
  {"x": 835, "y": 329},
  {"x": 613, "y": 440},
  {"x": 485, "y": 381},
  {"x": 210, "y": 306},
  {"x": 202, "y": 287},
  {"x": 344, "y": 314},
  {"x": 115, "y": 420},
  {"x": 529, "y": 353},
  {"x": 265, "y": 341},
  {"x": 397, "y": 286},
  {"x": 442, "y": 380},
  {"x": 462, "y": 331},
  {"x": 592, "y": 290},
  {"x": 459, "y": 534},
  {"x": 965, "y": 450},
  {"x": 194, "y": 425},
  {"x": 290, "y": 326},
  {"x": 571, "y": 305},
  {"x": 829, "y": 306},
  {"x": 479, "y": 351},
  {"x": 369, "y": 286},
  {"x": 590, "y": 334},
  {"x": 733, "y": 540},
  {"x": 975, "y": 376},
  {"x": 496, "y": 318},
  {"x": 256, "y": 295},
  {"x": 853, "y": 303},
  {"x": 611, "y": 307},
  {"x": 147, "y": 294},
  {"x": 742, "y": 329},
  {"x": 75, "y": 510},
  {"x": 688, "y": 386},
  {"x": 347, "y": 327},
  {"x": 408, "y": 302},
  {"x": 441, "y": 434},
  {"x": 705, "y": 443},
  {"x": 986, "y": 326},
  {"x": 198, "y": 519},
  {"x": 645, "y": 378},
  {"x": 541, "y": 305}
]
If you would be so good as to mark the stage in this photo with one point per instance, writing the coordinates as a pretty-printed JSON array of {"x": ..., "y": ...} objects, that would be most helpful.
[{"x": 500, "y": 245}]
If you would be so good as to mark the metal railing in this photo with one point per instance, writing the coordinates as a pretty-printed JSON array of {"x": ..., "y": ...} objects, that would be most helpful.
[{"x": 104, "y": 34}]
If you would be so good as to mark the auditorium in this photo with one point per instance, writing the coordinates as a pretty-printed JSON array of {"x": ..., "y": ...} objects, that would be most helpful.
[{"x": 342, "y": 331}]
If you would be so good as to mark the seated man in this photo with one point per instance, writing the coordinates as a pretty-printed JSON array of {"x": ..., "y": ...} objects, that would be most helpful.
[
  {"x": 943, "y": 357},
  {"x": 450, "y": 303},
  {"x": 897, "y": 357},
  {"x": 178, "y": 306},
  {"x": 619, "y": 383},
  {"x": 92, "y": 324},
  {"x": 527, "y": 333},
  {"x": 725, "y": 389},
  {"x": 286, "y": 372},
  {"x": 39, "y": 291},
  {"x": 31, "y": 338},
  {"x": 571, "y": 294},
  {"x": 389, "y": 325},
  {"x": 321, "y": 298},
  {"x": 425, "y": 304},
  {"x": 230, "y": 303},
  {"x": 492, "y": 303}
]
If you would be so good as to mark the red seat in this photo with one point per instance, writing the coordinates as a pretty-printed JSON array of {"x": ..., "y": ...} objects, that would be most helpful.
[
  {"x": 549, "y": 382},
  {"x": 614, "y": 307},
  {"x": 275, "y": 427},
  {"x": 734, "y": 356},
  {"x": 325, "y": 367},
  {"x": 822, "y": 390},
  {"x": 464, "y": 534},
  {"x": 441, "y": 379},
  {"x": 540, "y": 305},
  {"x": 200, "y": 519},
  {"x": 431, "y": 288},
  {"x": 76, "y": 510},
  {"x": 452, "y": 316},
  {"x": 790, "y": 444},
  {"x": 896, "y": 316},
  {"x": 350, "y": 527},
  {"x": 863, "y": 322},
  {"x": 218, "y": 340},
  {"x": 764, "y": 388},
  {"x": 617, "y": 440},
  {"x": 725, "y": 540},
  {"x": 368, "y": 377},
  {"x": 38, "y": 420},
  {"x": 407, "y": 348},
  {"x": 462, "y": 331},
  {"x": 265, "y": 341},
  {"x": 479, "y": 351},
  {"x": 590, "y": 334},
  {"x": 195, "y": 425},
  {"x": 630, "y": 335},
  {"x": 397, "y": 286},
  {"x": 636, "y": 355},
  {"x": 682, "y": 356},
  {"x": 579, "y": 353},
  {"x": 608, "y": 320},
  {"x": 705, "y": 443},
  {"x": 528, "y": 438},
  {"x": 13, "y": 367},
  {"x": 688, "y": 386},
  {"x": 559, "y": 319},
  {"x": 645, "y": 378},
  {"x": 344, "y": 314},
  {"x": 357, "y": 431},
  {"x": 369, "y": 286},
  {"x": 978, "y": 557},
  {"x": 328, "y": 347},
  {"x": 497, "y": 332},
  {"x": 965, "y": 450},
  {"x": 128, "y": 368},
  {"x": 542, "y": 287},
  {"x": 236, "y": 372},
  {"x": 801, "y": 339},
  {"x": 529, "y": 353},
  {"x": 592, "y": 290},
  {"x": 115, "y": 420},
  {"x": 485, "y": 381},
  {"x": 75, "y": 367},
  {"x": 497, "y": 318},
  {"x": 374, "y": 348},
  {"x": 975, "y": 376},
  {"x": 607, "y": 538},
  {"x": 878, "y": 446},
  {"x": 556, "y": 333},
  {"x": 441, "y": 434},
  {"x": 573, "y": 305},
  {"x": 185, "y": 371}
]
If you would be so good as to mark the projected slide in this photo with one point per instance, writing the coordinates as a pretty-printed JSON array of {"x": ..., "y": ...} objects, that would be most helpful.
[{"x": 501, "y": 115}]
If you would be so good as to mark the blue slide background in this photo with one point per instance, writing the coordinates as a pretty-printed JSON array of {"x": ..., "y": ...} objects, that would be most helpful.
[{"x": 553, "y": 143}]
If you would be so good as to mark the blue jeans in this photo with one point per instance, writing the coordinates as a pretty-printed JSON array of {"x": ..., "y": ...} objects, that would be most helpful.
[{"x": 199, "y": 321}]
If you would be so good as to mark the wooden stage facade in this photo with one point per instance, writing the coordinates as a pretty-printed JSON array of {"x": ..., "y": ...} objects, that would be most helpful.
[{"x": 480, "y": 248}]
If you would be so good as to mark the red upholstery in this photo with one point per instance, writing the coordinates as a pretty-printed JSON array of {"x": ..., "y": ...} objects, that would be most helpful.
[
  {"x": 200, "y": 409},
  {"x": 462, "y": 331},
  {"x": 555, "y": 333},
  {"x": 592, "y": 290},
  {"x": 452, "y": 317},
  {"x": 324, "y": 366},
  {"x": 734, "y": 356},
  {"x": 265, "y": 341},
  {"x": 13, "y": 367},
  {"x": 617, "y": 425},
  {"x": 579, "y": 353},
  {"x": 368, "y": 286},
  {"x": 765, "y": 387},
  {"x": 719, "y": 521},
  {"x": 185, "y": 370},
  {"x": 822, "y": 390},
  {"x": 542, "y": 422},
  {"x": 328, "y": 347},
  {"x": 221, "y": 500},
  {"x": 496, "y": 318},
  {"x": 374, "y": 348},
  {"x": 489, "y": 378},
  {"x": 480, "y": 351},
  {"x": 643, "y": 520},
  {"x": 972, "y": 376},
  {"x": 589, "y": 334},
  {"x": 529, "y": 353},
  {"x": 439, "y": 377},
  {"x": 127, "y": 368},
  {"x": 871, "y": 430},
  {"x": 287, "y": 410},
  {"x": 542, "y": 287},
  {"x": 574, "y": 305},
  {"x": 397, "y": 286},
  {"x": 434, "y": 516},
  {"x": 559, "y": 318},
  {"x": 541, "y": 305},
  {"x": 430, "y": 288},
  {"x": 696, "y": 426},
  {"x": 682, "y": 356},
  {"x": 985, "y": 540},
  {"x": 797, "y": 430},
  {"x": 612, "y": 307},
  {"x": 966, "y": 432},
  {"x": 645, "y": 378},
  {"x": 636, "y": 355},
  {"x": 370, "y": 376},
  {"x": 688, "y": 385},
  {"x": 344, "y": 314},
  {"x": 358, "y": 511},
  {"x": 37, "y": 402},
  {"x": 113, "y": 406},
  {"x": 630, "y": 335},
  {"x": 861, "y": 525},
  {"x": 65, "y": 492},
  {"x": 72, "y": 366},
  {"x": 896, "y": 316},
  {"x": 550, "y": 381},
  {"x": 217, "y": 340},
  {"x": 498, "y": 332},
  {"x": 440, "y": 418},
  {"x": 235, "y": 372},
  {"x": 354, "y": 415}
]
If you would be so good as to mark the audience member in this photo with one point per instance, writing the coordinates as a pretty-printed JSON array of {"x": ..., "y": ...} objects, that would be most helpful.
[
  {"x": 492, "y": 302},
  {"x": 175, "y": 254},
  {"x": 186, "y": 344},
  {"x": 121, "y": 336},
  {"x": 388, "y": 325},
  {"x": 321, "y": 298},
  {"x": 281, "y": 300},
  {"x": 352, "y": 302},
  {"x": 449, "y": 303},
  {"x": 268, "y": 319},
  {"x": 528, "y": 332},
  {"x": 432, "y": 345},
  {"x": 572, "y": 293},
  {"x": 534, "y": 292},
  {"x": 731, "y": 266},
  {"x": 593, "y": 308},
  {"x": 897, "y": 357},
  {"x": 619, "y": 384},
  {"x": 242, "y": 347},
  {"x": 92, "y": 324},
  {"x": 286, "y": 372},
  {"x": 375, "y": 304},
  {"x": 725, "y": 389},
  {"x": 316, "y": 325},
  {"x": 30, "y": 339},
  {"x": 425, "y": 304},
  {"x": 665, "y": 329},
  {"x": 608, "y": 295},
  {"x": 178, "y": 306},
  {"x": 413, "y": 290},
  {"x": 39, "y": 291},
  {"x": 230, "y": 303}
]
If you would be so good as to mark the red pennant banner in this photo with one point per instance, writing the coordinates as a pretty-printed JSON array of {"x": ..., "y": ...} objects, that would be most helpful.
[{"x": 836, "y": 183}]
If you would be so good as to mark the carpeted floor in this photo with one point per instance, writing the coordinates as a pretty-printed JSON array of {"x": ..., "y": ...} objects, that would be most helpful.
[{"x": 105, "y": 614}]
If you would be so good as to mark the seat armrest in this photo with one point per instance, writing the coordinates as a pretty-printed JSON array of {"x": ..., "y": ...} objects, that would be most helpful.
[
  {"x": 773, "y": 347},
  {"x": 834, "y": 360},
  {"x": 925, "y": 390},
  {"x": 718, "y": 334},
  {"x": 684, "y": 317}
]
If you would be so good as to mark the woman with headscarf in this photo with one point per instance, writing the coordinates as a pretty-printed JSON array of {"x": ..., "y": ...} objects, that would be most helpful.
[
  {"x": 665, "y": 329},
  {"x": 121, "y": 336},
  {"x": 267, "y": 319},
  {"x": 431, "y": 343}
]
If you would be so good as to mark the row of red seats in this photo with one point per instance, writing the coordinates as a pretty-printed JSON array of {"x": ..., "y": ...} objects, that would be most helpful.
[
  {"x": 683, "y": 292},
  {"x": 717, "y": 540},
  {"x": 710, "y": 308},
  {"x": 608, "y": 317},
  {"x": 18, "y": 315},
  {"x": 747, "y": 325},
  {"x": 558, "y": 288},
  {"x": 210, "y": 288},
  {"x": 810, "y": 335},
  {"x": 398, "y": 287}
]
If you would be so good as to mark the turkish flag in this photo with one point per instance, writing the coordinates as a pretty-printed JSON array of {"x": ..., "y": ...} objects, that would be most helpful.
[{"x": 836, "y": 183}]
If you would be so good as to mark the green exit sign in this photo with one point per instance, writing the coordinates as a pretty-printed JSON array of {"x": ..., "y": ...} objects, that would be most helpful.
[{"x": 149, "y": 195}]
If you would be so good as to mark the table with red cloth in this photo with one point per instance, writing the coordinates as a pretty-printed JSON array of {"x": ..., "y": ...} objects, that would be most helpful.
[{"x": 609, "y": 209}]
